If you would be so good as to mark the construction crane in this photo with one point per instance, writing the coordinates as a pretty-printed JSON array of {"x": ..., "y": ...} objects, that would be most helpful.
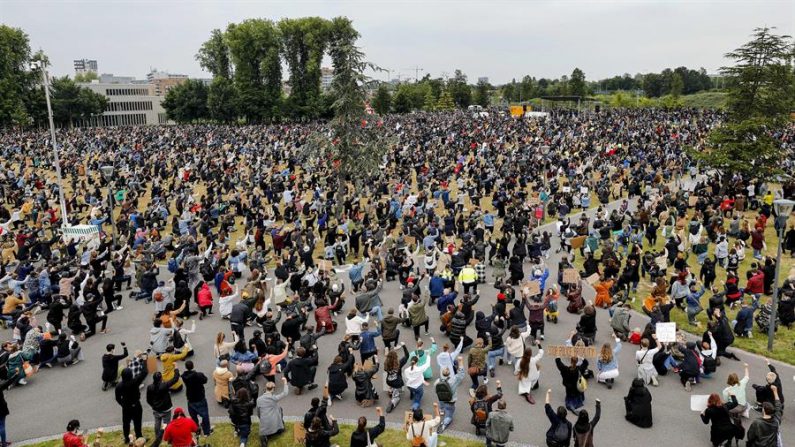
[{"x": 417, "y": 69}]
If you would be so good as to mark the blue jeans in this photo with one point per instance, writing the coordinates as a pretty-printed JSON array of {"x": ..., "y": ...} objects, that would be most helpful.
[
  {"x": 701, "y": 257},
  {"x": 670, "y": 362},
  {"x": 2, "y": 431},
  {"x": 416, "y": 396},
  {"x": 197, "y": 410},
  {"x": 376, "y": 310},
  {"x": 243, "y": 430},
  {"x": 493, "y": 355},
  {"x": 448, "y": 408}
]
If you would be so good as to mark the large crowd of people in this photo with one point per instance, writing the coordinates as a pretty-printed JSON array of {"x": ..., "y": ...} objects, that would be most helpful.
[{"x": 241, "y": 223}]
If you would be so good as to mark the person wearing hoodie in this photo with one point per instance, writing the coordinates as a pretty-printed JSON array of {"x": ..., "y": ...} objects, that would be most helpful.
[
  {"x": 241, "y": 407},
  {"x": 159, "y": 336},
  {"x": 204, "y": 298},
  {"x": 638, "y": 404},
  {"x": 128, "y": 396},
  {"x": 390, "y": 333},
  {"x": 158, "y": 396},
  {"x": 763, "y": 432},
  {"x": 179, "y": 432},
  {"x": 584, "y": 429}
]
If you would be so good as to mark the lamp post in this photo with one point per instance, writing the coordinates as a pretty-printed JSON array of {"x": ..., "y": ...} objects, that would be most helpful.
[
  {"x": 46, "y": 85},
  {"x": 783, "y": 209},
  {"x": 107, "y": 173}
]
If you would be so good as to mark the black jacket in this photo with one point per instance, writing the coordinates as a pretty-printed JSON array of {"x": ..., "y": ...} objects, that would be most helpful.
[
  {"x": 299, "y": 370},
  {"x": 110, "y": 365},
  {"x": 322, "y": 437},
  {"x": 128, "y": 393},
  {"x": 194, "y": 385},
  {"x": 638, "y": 405},
  {"x": 337, "y": 376},
  {"x": 359, "y": 438},
  {"x": 158, "y": 395}
]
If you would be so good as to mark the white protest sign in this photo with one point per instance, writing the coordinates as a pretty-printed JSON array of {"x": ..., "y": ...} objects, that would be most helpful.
[
  {"x": 698, "y": 402},
  {"x": 666, "y": 332}
]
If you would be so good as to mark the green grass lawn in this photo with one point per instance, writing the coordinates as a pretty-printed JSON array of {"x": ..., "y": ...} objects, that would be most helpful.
[
  {"x": 224, "y": 436},
  {"x": 783, "y": 343}
]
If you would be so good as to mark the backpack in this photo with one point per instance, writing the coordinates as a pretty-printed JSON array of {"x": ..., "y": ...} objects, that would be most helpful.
[
  {"x": 443, "y": 391},
  {"x": 710, "y": 365},
  {"x": 480, "y": 411},
  {"x": 178, "y": 341},
  {"x": 417, "y": 441},
  {"x": 561, "y": 434},
  {"x": 265, "y": 367},
  {"x": 172, "y": 265}
]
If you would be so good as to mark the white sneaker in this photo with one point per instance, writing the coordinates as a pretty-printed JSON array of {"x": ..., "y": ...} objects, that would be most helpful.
[
  {"x": 654, "y": 381},
  {"x": 486, "y": 380},
  {"x": 22, "y": 382},
  {"x": 119, "y": 308}
]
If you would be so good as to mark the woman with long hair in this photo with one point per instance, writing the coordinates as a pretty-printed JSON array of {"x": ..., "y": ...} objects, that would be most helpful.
[
  {"x": 528, "y": 372},
  {"x": 241, "y": 407},
  {"x": 393, "y": 368},
  {"x": 722, "y": 430},
  {"x": 317, "y": 436},
  {"x": 570, "y": 376},
  {"x": 223, "y": 348},
  {"x": 583, "y": 428},
  {"x": 365, "y": 437},
  {"x": 607, "y": 363}
]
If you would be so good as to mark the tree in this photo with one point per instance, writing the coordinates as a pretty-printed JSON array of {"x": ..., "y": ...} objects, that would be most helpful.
[
  {"x": 304, "y": 41},
  {"x": 446, "y": 101},
  {"x": 222, "y": 100},
  {"x": 577, "y": 85},
  {"x": 213, "y": 55},
  {"x": 382, "y": 100},
  {"x": 653, "y": 85},
  {"x": 401, "y": 101},
  {"x": 677, "y": 85},
  {"x": 86, "y": 76},
  {"x": 459, "y": 89},
  {"x": 187, "y": 102},
  {"x": 483, "y": 94},
  {"x": 255, "y": 50},
  {"x": 761, "y": 89},
  {"x": 14, "y": 77},
  {"x": 430, "y": 102},
  {"x": 72, "y": 102},
  {"x": 355, "y": 145}
]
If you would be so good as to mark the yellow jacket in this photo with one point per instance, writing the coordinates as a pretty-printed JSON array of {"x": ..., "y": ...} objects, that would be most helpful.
[
  {"x": 468, "y": 275},
  {"x": 169, "y": 364}
]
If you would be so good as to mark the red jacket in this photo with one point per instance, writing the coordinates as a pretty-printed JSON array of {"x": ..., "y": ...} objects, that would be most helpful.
[
  {"x": 756, "y": 283},
  {"x": 72, "y": 440},
  {"x": 205, "y": 296},
  {"x": 179, "y": 432},
  {"x": 323, "y": 315}
]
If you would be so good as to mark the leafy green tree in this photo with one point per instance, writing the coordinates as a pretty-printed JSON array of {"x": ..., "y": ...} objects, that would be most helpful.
[
  {"x": 401, "y": 101},
  {"x": 304, "y": 41},
  {"x": 72, "y": 102},
  {"x": 761, "y": 88},
  {"x": 677, "y": 85},
  {"x": 255, "y": 49},
  {"x": 356, "y": 145},
  {"x": 14, "y": 76},
  {"x": 446, "y": 101},
  {"x": 187, "y": 102},
  {"x": 382, "y": 101},
  {"x": 460, "y": 90},
  {"x": 483, "y": 94},
  {"x": 214, "y": 57},
  {"x": 577, "y": 85},
  {"x": 653, "y": 85},
  {"x": 430, "y": 101},
  {"x": 222, "y": 100}
]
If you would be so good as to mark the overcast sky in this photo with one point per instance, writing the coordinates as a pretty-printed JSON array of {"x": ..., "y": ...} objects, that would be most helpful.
[{"x": 498, "y": 39}]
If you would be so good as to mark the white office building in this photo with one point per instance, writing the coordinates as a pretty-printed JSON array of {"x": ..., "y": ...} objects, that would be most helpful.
[{"x": 128, "y": 105}]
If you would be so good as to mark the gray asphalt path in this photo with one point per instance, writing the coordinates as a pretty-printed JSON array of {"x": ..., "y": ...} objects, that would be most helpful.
[{"x": 53, "y": 397}]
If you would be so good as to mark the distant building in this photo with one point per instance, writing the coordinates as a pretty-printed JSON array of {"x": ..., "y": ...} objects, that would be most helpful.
[
  {"x": 326, "y": 77},
  {"x": 129, "y": 104},
  {"x": 85, "y": 65},
  {"x": 164, "y": 81},
  {"x": 483, "y": 80},
  {"x": 110, "y": 78}
]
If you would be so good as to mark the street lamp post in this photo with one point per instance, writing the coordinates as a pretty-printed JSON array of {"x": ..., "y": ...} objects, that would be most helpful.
[
  {"x": 107, "y": 173},
  {"x": 46, "y": 84},
  {"x": 783, "y": 209}
]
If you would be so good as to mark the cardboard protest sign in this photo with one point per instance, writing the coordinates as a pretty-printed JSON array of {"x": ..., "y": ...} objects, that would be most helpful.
[
  {"x": 410, "y": 240},
  {"x": 324, "y": 266},
  {"x": 698, "y": 402},
  {"x": 691, "y": 202},
  {"x": 532, "y": 287},
  {"x": 593, "y": 279},
  {"x": 571, "y": 276},
  {"x": 577, "y": 242},
  {"x": 666, "y": 332},
  {"x": 571, "y": 351}
]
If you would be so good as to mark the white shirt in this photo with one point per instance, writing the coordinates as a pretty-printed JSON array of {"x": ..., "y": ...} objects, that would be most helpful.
[
  {"x": 353, "y": 326},
  {"x": 414, "y": 375}
]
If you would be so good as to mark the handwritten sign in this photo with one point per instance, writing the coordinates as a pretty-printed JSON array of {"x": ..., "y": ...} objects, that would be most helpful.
[
  {"x": 410, "y": 240},
  {"x": 593, "y": 279},
  {"x": 571, "y": 351},
  {"x": 577, "y": 242},
  {"x": 666, "y": 332},
  {"x": 532, "y": 288},
  {"x": 571, "y": 276}
]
